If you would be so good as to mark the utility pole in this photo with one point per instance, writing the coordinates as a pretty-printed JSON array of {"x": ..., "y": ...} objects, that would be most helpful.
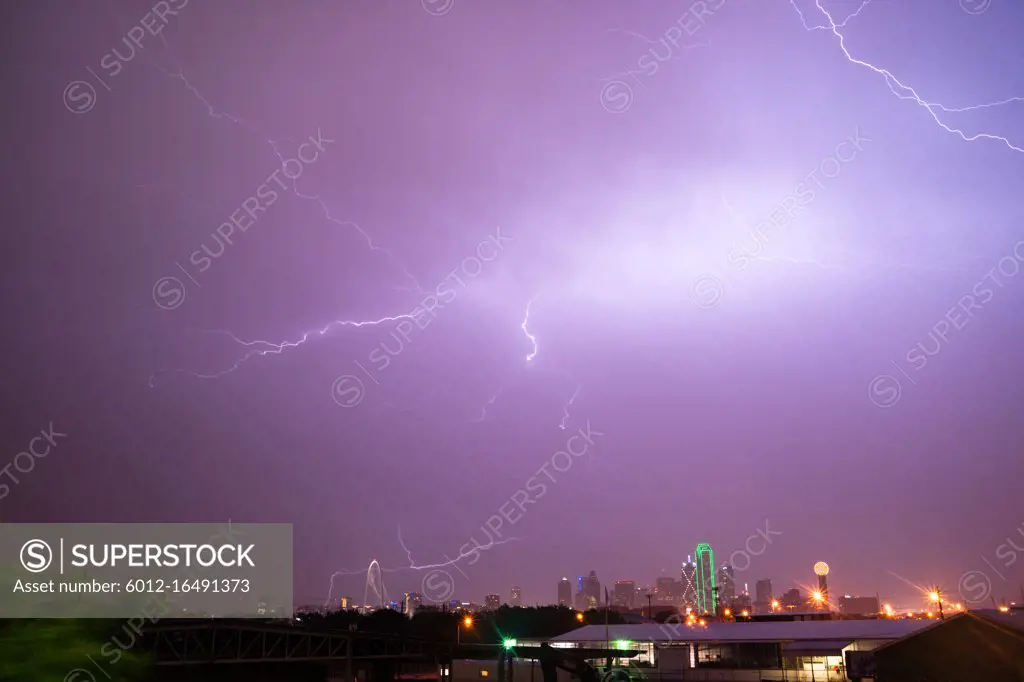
[
  {"x": 607, "y": 643},
  {"x": 937, "y": 596},
  {"x": 650, "y": 609}
]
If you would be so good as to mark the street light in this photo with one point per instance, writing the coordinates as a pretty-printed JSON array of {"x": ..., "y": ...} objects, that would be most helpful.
[
  {"x": 775, "y": 605},
  {"x": 579, "y": 616},
  {"x": 468, "y": 623}
]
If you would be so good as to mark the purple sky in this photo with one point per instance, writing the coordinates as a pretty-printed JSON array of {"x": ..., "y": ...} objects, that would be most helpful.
[{"x": 728, "y": 391}]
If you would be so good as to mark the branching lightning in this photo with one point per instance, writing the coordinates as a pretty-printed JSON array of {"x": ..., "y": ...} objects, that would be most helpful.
[
  {"x": 447, "y": 563},
  {"x": 261, "y": 347},
  {"x": 903, "y": 91},
  {"x": 477, "y": 548},
  {"x": 270, "y": 348},
  {"x": 213, "y": 113},
  {"x": 863, "y": 4}
]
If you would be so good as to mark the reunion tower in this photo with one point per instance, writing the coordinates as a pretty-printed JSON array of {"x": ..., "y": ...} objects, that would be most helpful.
[{"x": 821, "y": 570}]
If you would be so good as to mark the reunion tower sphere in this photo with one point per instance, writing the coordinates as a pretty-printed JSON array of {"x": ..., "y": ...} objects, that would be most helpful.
[{"x": 821, "y": 568}]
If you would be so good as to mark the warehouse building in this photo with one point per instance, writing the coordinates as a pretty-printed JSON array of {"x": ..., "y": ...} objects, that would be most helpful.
[{"x": 812, "y": 650}]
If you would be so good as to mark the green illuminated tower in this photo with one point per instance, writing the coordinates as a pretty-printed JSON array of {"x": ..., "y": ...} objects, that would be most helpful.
[{"x": 706, "y": 593}]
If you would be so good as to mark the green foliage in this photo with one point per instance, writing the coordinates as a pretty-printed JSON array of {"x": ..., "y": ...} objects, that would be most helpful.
[{"x": 52, "y": 650}]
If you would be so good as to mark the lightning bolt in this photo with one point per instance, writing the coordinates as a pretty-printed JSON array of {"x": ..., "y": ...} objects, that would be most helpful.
[
  {"x": 448, "y": 563},
  {"x": 863, "y": 4},
  {"x": 525, "y": 326},
  {"x": 903, "y": 91},
  {"x": 565, "y": 410},
  {"x": 270, "y": 348},
  {"x": 489, "y": 404}
]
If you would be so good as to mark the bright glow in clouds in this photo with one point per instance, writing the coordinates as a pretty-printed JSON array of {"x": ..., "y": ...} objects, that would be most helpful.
[{"x": 651, "y": 238}]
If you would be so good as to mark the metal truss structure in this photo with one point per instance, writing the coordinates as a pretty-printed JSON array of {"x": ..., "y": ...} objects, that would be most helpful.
[{"x": 223, "y": 642}]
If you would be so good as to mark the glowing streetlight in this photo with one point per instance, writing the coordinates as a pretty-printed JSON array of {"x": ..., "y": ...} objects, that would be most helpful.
[
  {"x": 745, "y": 613},
  {"x": 934, "y": 596},
  {"x": 775, "y": 605},
  {"x": 466, "y": 622},
  {"x": 728, "y": 612},
  {"x": 509, "y": 643},
  {"x": 579, "y": 616}
]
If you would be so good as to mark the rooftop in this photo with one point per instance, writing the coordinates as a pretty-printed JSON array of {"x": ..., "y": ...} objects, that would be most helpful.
[
  {"x": 1013, "y": 617},
  {"x": 779, "y": 631}
]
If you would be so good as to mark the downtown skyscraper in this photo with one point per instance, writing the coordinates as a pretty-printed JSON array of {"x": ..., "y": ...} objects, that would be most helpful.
[
  {"x": 727, "y": 584},
  {"x": 565, "y": 592},
  {"x": 689, "y": 579},
  {"x": 624, "y": 593},
  {"x": 707, "y": 590}
]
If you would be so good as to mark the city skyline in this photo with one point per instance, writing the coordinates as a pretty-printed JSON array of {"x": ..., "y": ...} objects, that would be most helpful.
[{"x": 777, "y": 594}]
